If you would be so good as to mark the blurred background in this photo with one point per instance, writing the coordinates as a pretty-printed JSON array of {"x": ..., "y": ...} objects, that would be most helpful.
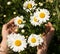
[{"x": 12, "y": 8}]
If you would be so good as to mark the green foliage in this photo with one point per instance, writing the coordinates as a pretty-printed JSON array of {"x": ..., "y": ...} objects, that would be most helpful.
[{"x": 17, "y": 6}]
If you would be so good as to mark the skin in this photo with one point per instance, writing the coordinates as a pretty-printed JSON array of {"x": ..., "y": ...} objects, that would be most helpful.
[
  {"x": 10, "y": 27},
  {"x": 47, "y": 36},
  {"x": 6, "y": 30}
]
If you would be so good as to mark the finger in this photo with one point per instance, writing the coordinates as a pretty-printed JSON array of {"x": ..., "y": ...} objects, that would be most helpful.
[
  {"x": 9, "y": 31},
  {"x": 50, "y": 25},
  {"x": 15, "y": 29},
  {"x": 47, "y": 28},
  {"x": 11, "y": 21},
  {"x": 13, "y": 25},
  {"x": 39, "y": 47},
  {"x": 4, "y": 27},
  {"x": 50, "y": 35},
  {"x": 51, "y": 30},
  {"x": 43, "y": 34}
]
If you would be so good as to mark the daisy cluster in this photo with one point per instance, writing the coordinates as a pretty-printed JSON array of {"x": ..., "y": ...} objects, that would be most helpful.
[
  {"x": 18, "y": 42},
  {"x": 39, "y": 17}
]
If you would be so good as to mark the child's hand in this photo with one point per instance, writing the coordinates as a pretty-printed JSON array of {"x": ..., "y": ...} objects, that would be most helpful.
[
  {"x": 8, "y": 28},
  {"x": 47, "y": 36}
]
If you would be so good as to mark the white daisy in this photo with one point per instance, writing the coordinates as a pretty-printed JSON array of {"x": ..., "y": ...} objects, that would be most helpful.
[
  {"x": 29, "y": 5},
  {"x": 33, "y": 40},
  {"x": 42, "y": 15},
  {"x": 16, "y": 42},
  {"x": 34, "y": 21},
  {"x": 19, "y": 21}
]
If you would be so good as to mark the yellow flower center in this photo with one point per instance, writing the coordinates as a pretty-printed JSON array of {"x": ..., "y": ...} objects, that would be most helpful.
[
  {"x": 33, "y": 40},
  {"x": 29, "y": 6},
  {"x": 18, "y": 43},
  {"x": 42, "y": 15},
  {"x": 35, "y": 19},
  {"x": 19, "y": 21}
]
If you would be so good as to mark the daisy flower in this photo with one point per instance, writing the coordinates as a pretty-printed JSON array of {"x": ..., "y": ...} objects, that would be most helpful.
[
  {"x": 34, "y": 21},
  {"x": 16, "y": 42},
  {"x": 29, "y": 5},
  {"x": 42, "y": 15},
  {"x": 19, "y": 21},
  {"x": 33, "y": 40}
]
